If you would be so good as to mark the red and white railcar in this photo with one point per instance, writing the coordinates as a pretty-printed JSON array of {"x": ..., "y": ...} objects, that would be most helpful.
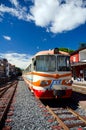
[{"x": 49, "y": 74}]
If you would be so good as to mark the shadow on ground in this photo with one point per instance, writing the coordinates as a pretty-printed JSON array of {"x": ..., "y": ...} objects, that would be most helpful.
[{"x": 73, "y": 102}]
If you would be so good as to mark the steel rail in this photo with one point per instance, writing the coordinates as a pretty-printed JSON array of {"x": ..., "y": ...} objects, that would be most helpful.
[
  {"x": 58, "y": 119},
  {"x": 77, "y": 115},
  {"x": 6, "y": 107},
  {"x": 3, "y": 90}
]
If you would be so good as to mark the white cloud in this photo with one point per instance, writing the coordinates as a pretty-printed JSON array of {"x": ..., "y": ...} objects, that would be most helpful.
[
  {"x": 7, "y": 37},
  {"x": 43, "y": 12},
  {"x": 15, "y": 3},
  {"x": 19, "y": 60},
  {"x": 20, "y": 13},
  {"x": 59, "y": 17},
  {"x": 55, "y": 15},
  {"x": 37, "y": 47},
  {"x": 1, "y": 17},
  {"x": 44, "y": 39}
]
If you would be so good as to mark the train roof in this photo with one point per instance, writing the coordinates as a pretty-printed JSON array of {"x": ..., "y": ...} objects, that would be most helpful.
[{"x": 51, "y": 52}]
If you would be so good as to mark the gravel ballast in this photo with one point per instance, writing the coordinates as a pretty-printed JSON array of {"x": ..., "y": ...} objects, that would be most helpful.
[
  {"x": 27, "y": 114},
  {"x": 30, "y": 114}
]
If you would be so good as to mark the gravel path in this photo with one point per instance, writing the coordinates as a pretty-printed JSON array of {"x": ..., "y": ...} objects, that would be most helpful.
[{"x": 27, "y": 114}]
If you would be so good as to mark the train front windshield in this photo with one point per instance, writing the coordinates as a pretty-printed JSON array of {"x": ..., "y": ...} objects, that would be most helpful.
[
  {"x": 52, "y": 63},
  {"x": 63, "y": 63}
]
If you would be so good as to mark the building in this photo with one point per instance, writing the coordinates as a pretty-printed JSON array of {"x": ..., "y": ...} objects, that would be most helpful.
[
  {"x": 3, "y": 64},
  {"x": 78, "y": 64},
  {"x": 6, "y": 69}
]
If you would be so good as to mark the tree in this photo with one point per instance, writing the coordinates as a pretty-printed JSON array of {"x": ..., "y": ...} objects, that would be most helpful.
[
  {"x": 66, "y": 50},
  {"x": 82, "y": 45}
]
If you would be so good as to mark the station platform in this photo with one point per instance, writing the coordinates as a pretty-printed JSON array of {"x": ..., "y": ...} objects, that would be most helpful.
[
  {"x": 82, "y": 82},
  {"x": 80, "y": 86},
  {"x": 82, "y": 104}
]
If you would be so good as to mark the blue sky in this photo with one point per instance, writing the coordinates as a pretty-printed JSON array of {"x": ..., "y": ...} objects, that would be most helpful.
[{"x": 29, "y": 26}]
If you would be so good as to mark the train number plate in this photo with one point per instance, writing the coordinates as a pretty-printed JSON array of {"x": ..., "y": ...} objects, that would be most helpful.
[{"x": 55, "y": 82}]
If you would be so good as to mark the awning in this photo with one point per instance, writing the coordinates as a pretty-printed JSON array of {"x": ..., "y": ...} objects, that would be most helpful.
[{"x": 78, "y": 64}]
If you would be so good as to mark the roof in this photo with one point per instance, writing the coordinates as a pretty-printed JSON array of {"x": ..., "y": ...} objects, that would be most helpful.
[
  {"x": 76, "y": 51},
  {"x": 51, "y": 52}
]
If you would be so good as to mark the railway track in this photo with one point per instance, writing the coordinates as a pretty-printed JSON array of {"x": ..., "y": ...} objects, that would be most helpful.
[
  {"x": 6, "y": 96},
  {"x": 5, "y": 88},
  {"x": 67, "y": 118}
]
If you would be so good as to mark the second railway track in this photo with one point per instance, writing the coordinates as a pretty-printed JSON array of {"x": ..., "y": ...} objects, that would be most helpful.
[
  {"x": 6, "y": 96},
  {"x": 67, "y": 118}
]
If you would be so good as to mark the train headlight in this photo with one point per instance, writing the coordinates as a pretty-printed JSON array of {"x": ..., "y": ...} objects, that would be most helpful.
[
  {"x": 68, "y": 81},
  {"x": 43, "y": 83}
]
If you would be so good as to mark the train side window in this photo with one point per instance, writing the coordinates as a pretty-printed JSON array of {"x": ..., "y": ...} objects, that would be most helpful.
[
  {"x": 34, "y": 63},
  {"x": 63, "y": 63}
]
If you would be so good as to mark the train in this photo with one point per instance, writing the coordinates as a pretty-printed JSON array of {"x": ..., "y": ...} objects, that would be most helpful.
[{"x": 49, "y": 74}]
